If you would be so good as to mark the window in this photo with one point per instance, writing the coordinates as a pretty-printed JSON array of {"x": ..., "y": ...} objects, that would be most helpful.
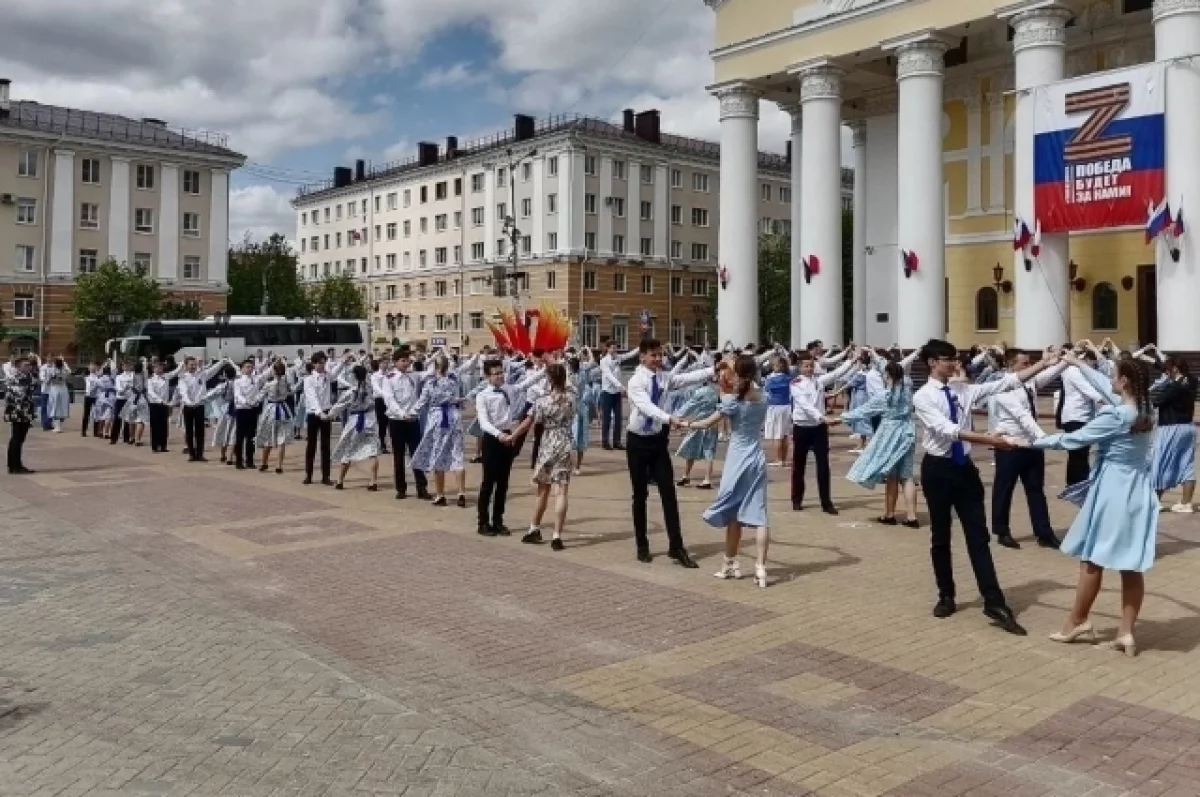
[
  {"x": 408, "y": 260},
  {"x": 590, "y": 331},
  {"x": 618, "y": 205},
  {"x": 676, "y": 332},
  {"x": 24, "y": 261},
  {"x": 391, "y": 262},
  {"x": 785, "y": 194},
  {"x": 439, "y": 322},
  {"x": 476, "y": 320},
  {"x": 526, "y": 244},
  {"x": 699, "y": 217},
  {"x": 303, "y": 219},
  {"x": 551, "y": 279},
  {"x": 143, "y": 221},
  {"x": 764, "y": 192},
  {"x": 439, "y": 288},
  {"x": 619, "y": 170},
  {"x": 526, "y": 208},
  {"x": 501, "y": 211},
  {"x": 393, "y": 200},
  {"x": 647, "y": 211},
  {"x": 1104, "y": 307},
  {"x": 423, "y": 258},
  {"x": 89, "y": 171},
  {"x": 326, "y": 215},
  {"x": 191, "y": 225},
  {"x": 326, "y": 240},
  {"x": 424, "y": 224},
  {"x": 699, "y": 287},
  {"x": 89, "y": 216},
  {"x": 337, "y": 240},
  {"x": 424, "y": 194},
  {"x": 23, "y": 305},
  {"x": 315, "y": 244},
  {"x": 145, "y": 179},
  {"x": 439, "y": 256},
  {"x": 647, "y": 283},
  {"x": 191, "y": 267},
  {"x": 378, "y": 232},
  {"x": 87, "y": 260},
  {"x": 677, "y": 286},
  {"x": 526, "y": 171},
  {"x": 700, "y": 182},
  {"x": 676, "y": 178},
  {"x": 457, "y": 255},
  {"x": 676, "y": 214},
  {"x": 378, "y": 261},
  {"x": 620, "y": 332},
  {"x": 589, "y": 241},
  {"x": 391, "y": 231},
  {"x": 350, "y": 208},
  {"x": 440, "y": 222},
  {"x": 648, "y": 174},
  {"x": 477, "y": 251},
  {"x": 458, "y": 219},
  {"x": 552, "y": 166},
  {"x": 552, "y": 241},
  {"x": 27, "y": 164},
  {"x": 143, "y": 262},
  {"x": 987, "y": 310},
  {"x": 589, "y": 280},
  {"x": 458, "y": 186},
  {"x": 501, "y": 177},
  {"x": 589, "y": 203},
  {"x": 337, "y": 212},
  {"x": 700, "y": 334},
  {"x": 421, "y": 323},
  {"x": 420, "y": 290},
  {"x": 26, "y": 210},
  {"x": 377, "y": 203},
  {"x": 476, "y": 217},
  {"x": 619, "y": 244},
  {"x": 765, "y": 226},
  {"x": 647, "y": 247},
  {"x": 500, "y": 247},
  {"x": 700, "y": 252},
  {"x": 619, "y": 283},
  {"x": 551, "y": 203},
  {"x": 441, "y": 190},
  {"x": 476, "y": 183},
  {"x": 589, "y": 165},
  {"x": 847, "y": 203},
  {"x": 457, "y": 289},
  {"x": 408, "y": 229}
]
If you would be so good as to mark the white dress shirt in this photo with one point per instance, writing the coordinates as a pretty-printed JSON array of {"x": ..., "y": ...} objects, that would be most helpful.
[
  {"x": 808, "y": 395},
  {"x": 377, "y": 383},
  {"x": 191, "y": 387},
  {"x": 317, "y": 399},
  {"x": 401, "y": 392},
  {"x": 875, "y": 385},
  {"x": 1080, "y": 399},
  {"x": 1015, "y": 413},
  {"x": 641, "y": 388},
  {"x": 158, "y": 390},
  {"x": 497, "y": 408},
  {"x": 933, "y": 410},
  {"x": 123, "y": 383},
  {"x": 246, "y": 392},
  {"x": 610, "y": 370}
]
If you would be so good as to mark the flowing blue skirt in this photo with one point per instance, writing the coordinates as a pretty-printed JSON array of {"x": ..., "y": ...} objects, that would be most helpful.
[{"x": 1174, "y": 459}]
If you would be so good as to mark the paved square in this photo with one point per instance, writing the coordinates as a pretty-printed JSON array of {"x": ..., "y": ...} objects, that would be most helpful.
[{"x": 181, "y": 629}]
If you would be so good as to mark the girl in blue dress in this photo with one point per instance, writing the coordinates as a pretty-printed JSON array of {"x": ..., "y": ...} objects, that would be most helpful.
[
  {"x": 441, "y": 446},
  {"x": 742, "y": 499},
  {"x": 856, "y": 386},
  {"x": 1116, "y": 526},
  {"x": 701, "y": 442},
  {"x": 888, "y": 457},
  {"x": 585, "y": 378}
]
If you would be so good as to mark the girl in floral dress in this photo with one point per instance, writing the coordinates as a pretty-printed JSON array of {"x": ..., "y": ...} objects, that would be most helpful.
[
  {"x": 221, "y": 397},
  {"x": 441, "y": 447},
  {"x": 275, "y": 423},
  {"x": 137, "y": 409},
  {"x": 106, "y": 401},
  {"x": 360, "y": 432},
  {"x": 556, "y": 411}
]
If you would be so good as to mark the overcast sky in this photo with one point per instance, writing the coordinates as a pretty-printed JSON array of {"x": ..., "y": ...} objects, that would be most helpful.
[{"x": 303, "y": 85}]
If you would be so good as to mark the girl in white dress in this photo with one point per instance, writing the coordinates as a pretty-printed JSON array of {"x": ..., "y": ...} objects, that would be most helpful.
[
  {"x": 275, "y": 423},
  {"x": 360, "y": 432}
]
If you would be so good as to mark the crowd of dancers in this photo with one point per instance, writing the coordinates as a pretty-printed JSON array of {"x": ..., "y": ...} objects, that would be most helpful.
[{"x": 411, "y": 404}]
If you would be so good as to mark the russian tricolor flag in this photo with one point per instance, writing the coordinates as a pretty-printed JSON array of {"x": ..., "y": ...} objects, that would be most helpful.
[{"x": 1159, "y": 221}]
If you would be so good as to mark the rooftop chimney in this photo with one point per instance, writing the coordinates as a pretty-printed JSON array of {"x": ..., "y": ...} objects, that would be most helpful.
[
  {"x": 360, "y": 170},
  {"x": 341, "y": 176},
  {"x": 524, "y": 127},
  {"x": 427, "y": 154},
  {"x": 4, "y": 84},
  {"x": 628, "y": 120},
  {"x": 150, "y": 120},
  {"x": 451, "y": 147},
  {"x": 647, "y": 127}
]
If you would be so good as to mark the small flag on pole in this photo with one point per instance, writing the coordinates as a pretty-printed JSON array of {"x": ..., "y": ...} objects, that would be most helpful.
[
  {"x": 1159, "y": 221},
  {"x": 1021, "y": 235},
  {"x": 1035, "y": 245}
]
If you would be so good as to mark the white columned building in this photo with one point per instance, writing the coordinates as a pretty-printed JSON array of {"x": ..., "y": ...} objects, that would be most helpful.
[
  {"x": 1177, "y": 41},
  {"x": 1042, "y": 290},
  {"x": 793, "y": 109},
  {"x": 737, "y": 242},
  {"x": 821, "y": 211},
  {"x": 859, "y": 330},
  {"x": 921, "y": 214}
]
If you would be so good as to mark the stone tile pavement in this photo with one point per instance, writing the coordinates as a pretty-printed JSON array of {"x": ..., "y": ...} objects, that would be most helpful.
[{"x": 179, "y": 629}]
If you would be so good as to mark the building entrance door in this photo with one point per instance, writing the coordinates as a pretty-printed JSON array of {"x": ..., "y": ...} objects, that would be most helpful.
[{"x": 1147, "y": 304}]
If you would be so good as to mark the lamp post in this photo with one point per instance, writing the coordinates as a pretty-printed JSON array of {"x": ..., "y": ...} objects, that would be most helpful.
[
  {"x": 311, "y": 324},
  {"x": 221, "y": 319},
  {"x": 510, "y": 229},
  {"x": 115, "y": 319}
]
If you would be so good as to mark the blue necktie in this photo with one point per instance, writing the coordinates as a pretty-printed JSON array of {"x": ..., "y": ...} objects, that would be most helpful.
[
  {"x": 655, "y": 395},
  {"x": 958, "y": 452}
]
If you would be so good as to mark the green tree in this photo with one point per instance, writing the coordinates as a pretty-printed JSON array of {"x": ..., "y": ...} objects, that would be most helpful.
[
  {"x": 774, "y": 289},
  {"x": 272, "y": 264},
  {"x": 109, "y": 299},
  {"x": 179, "y": 309},
  {"x": 337, "y": 297}
]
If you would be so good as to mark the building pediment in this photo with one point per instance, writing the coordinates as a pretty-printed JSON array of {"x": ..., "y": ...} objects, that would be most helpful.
[{"x": 825, "y": 9}]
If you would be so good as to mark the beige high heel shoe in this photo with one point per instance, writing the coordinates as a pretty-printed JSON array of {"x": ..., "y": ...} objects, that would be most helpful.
[
  {"x": 1082, "y": 632},
  {"x": 1123, "y": 644}
]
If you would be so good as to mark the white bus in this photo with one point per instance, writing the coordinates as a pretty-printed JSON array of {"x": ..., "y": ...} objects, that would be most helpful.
[{"x": 241, "y": 337}]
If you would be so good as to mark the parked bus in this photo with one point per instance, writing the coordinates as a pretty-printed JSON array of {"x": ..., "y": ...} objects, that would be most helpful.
[{"x": 241, "y": 337}]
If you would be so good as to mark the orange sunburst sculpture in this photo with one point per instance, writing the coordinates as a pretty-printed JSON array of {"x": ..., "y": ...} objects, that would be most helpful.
[{"x": 552, "y": 330}]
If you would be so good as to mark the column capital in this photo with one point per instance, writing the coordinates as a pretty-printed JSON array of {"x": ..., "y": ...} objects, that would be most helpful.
[
  {"x": 1037, "y": 24},
  {"x": 858, "y": 132},
  {"x": 1171, "y": 8},
  {"x": 820, "y": 79},
  {"x": 919, "y": 55},
  {"x": 738, "y": 101},
  {"x": 793, "y": 109}
]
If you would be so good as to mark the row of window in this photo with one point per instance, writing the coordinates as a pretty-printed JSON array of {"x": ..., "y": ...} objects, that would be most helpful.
[
  {"x": 618, "y": 331},
  {"x": 89, "y": 259},
  {"x": 1105, "y": 316},
  {"x": 89, "y": 217},
  {"x": 482, "y": 286},
  {"x": 29, "y": 164}
]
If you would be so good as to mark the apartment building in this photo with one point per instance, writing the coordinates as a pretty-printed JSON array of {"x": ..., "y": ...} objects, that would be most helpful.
[
  {"x": 617, "y": 224},
  {"x": 78, "y": 187}
]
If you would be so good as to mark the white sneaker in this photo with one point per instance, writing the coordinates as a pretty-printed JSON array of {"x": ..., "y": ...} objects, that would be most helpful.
[
  {"x": 760, "y": 576},
  {"x": 1183, "y": 509},
  {"x": 730, "y": 570}
]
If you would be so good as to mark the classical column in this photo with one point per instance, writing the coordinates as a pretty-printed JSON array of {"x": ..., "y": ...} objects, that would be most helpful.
[
  {"x": 218, "y": 228},
  {"x": 167, "y": 267},
  {"x": 921, "y": 212},
  {"x": 821, "y": 211},
  {"x": 737, "y": 247},
  {"x": 859, "y": 332},
  {"x": 793, "y": 109},
  {"x": 1042, "y": 296},
  {"x": 1177, "y": 36},
  {"x": 118, "y": 211},
  {"x": 62, "y": 221},
  {"x": 662, "y": 212}
]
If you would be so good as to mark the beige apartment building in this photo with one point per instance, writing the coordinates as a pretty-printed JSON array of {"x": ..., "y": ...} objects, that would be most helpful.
[
  {"x": 78, "y": 187},
  {"x": 616, "y": 224}
]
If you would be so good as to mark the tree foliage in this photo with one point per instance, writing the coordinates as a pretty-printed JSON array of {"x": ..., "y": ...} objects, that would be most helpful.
[
  {"x": 337, "y": 297},
  {"x": 178, "y": 309},
  {"x": 270, "y": 263},
  {"x": 3, "y": 327},
  {"x": 110, "y": 298}
]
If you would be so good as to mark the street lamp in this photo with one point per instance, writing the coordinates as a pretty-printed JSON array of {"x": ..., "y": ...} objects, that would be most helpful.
[
  {"x": 114, "y": 324},
  {"x": 221, "y": 320},
  {"x": 311, "y": 324},
  {"x": 510, "y": 229}
]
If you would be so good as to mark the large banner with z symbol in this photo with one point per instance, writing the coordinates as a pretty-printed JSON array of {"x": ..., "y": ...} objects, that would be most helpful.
[{"x": 1099, "y": 149}]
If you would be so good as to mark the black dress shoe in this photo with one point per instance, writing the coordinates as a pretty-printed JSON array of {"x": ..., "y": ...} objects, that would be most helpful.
[
  {"x": 327, "y": 482},
  {"x": 556, "y": 544},
  {"x": 401, "y": 495},
  {"x": 240, "y": 466},
  {"x": 200, "y": 459},
  {"x": 1004, "y": 617},
  {"x": 607, "y": 447},
  {"x": 339, "y": 486},
  {"x": 462, "y": 501},
  {"x": 682, "y": 559},
  {"x": 439, "y": 501},
  {"x": 644, "y": 557},
  {"x": 424, "y": 495},
  {"x": 502, "y": 530},
  {"x": 372, "y": 488},
  {"x": 886, "y": 521},
  {"x": 912, "y": 524},
  {"x": 1049, "y": 542},
  {"x": 307, "y": 480},
  {"x": 279, "y": 470},
  {"x": 944, "y": 608},
  {"x": 618, "y": 447},
  {"x": 24, "y": 471},
  {"x": 1006, "y": 541},
  {"x": 829, "y": 510},
  {"x": 262, "y": 468},
  {"x": 484, "y": 530},
  {"x": 797, "y": 506},
  {"x": 533, "y": 537}
]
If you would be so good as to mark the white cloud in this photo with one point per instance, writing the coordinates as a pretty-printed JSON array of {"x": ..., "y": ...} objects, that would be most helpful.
[
  {"x": 259, "y": 211},
  {"x": 399, "y": 151},
  {"x": 458, "y": 76}
]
